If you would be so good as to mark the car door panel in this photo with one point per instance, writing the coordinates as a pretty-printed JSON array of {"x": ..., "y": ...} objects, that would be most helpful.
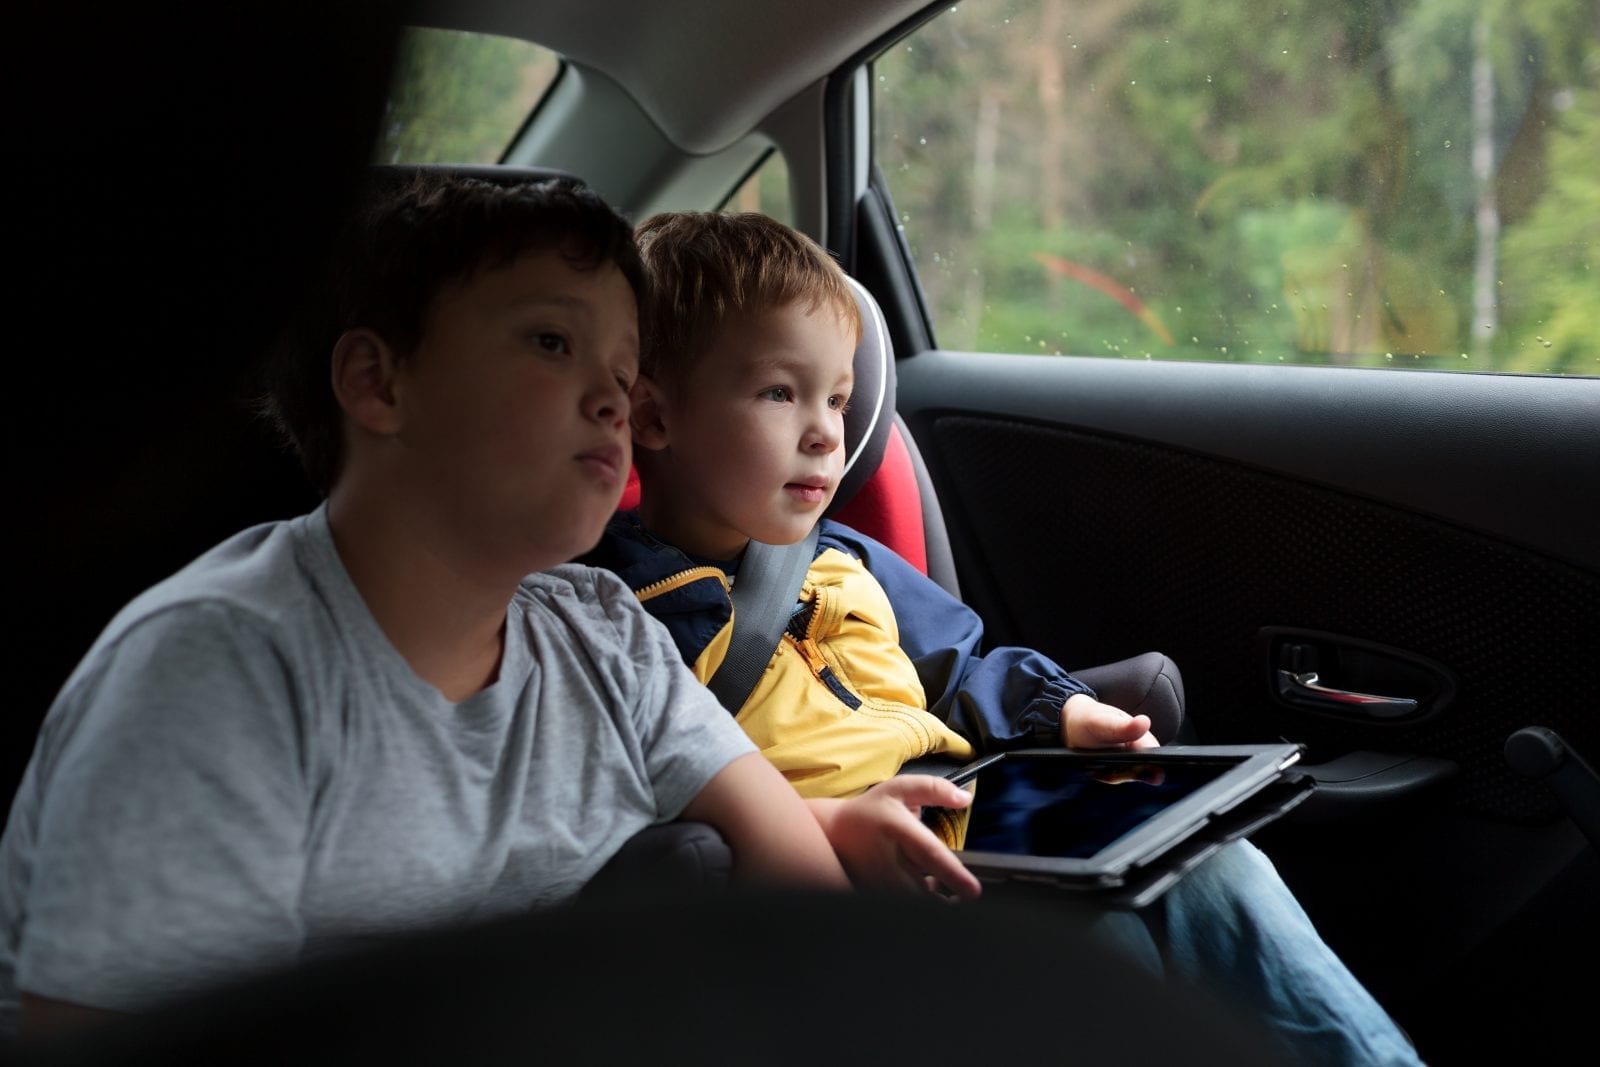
[
  {"x": 1099, "y": 507},
  {"x": 1403, "y": 529}
]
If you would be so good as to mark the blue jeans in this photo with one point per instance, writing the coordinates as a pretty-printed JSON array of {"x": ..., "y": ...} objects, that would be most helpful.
[{"x": 1232, "y": 926}]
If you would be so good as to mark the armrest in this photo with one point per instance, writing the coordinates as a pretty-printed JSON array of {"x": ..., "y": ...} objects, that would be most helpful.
[
  {"x": 1361, "y": 785},
  {"x": 671, "y": 857},
  {"x": 1147, "y": 684}
]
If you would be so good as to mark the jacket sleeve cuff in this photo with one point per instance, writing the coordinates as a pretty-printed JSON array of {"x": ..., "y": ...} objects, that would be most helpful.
[{"x": 1043, "y": 715}]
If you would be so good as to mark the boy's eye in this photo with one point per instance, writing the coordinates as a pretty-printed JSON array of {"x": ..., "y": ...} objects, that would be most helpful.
[
  {"x": 839, "y": 403},
  {"x": 551, "y": 342},
  {"x": 781, "y": 393}
]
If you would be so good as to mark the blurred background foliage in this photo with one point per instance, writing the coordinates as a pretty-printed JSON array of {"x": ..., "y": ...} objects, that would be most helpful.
[{"x": 1369, "y": 182}]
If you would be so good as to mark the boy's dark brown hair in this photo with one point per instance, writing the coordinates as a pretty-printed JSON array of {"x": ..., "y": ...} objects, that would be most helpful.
[
  {"x": 705, "y": 266},
  {"x": 410, "y": 236}
]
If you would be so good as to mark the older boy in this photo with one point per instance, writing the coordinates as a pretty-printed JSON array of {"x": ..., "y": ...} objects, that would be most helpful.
[
  {"x": 737, "y": 415},
  {"x": 378, "y": 716}
]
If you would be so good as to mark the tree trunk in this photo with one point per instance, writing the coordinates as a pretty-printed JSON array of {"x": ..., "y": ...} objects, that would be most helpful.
[{"x": 1484, "y": 304}]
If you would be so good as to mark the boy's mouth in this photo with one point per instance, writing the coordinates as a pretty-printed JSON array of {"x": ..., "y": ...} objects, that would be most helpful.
[
  {"x": 809, "y": 490},
  {"x": 605, "y": 461}
]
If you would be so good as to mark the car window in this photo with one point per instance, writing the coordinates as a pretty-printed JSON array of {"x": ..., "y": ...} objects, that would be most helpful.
[
  {"x": 1371, "y": 184},
  {"x": 461, "y": 97},
  {"x": 765, "y": 191}
]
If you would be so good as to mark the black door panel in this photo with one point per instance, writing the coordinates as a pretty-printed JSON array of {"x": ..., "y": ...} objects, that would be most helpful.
[
  {"x": 1094, "y": 546},
  {"x": 1429, "y": 533}
]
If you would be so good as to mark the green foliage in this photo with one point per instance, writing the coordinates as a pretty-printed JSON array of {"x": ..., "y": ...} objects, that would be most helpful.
[
  {"x": 765, "y": 191},
  {"x": 1283, "y": 183},
  {"x": 1552, "y": 259}
]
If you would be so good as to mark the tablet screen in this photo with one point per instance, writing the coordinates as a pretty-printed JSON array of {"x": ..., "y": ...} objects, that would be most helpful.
[{"x": 1075, "y": 808}]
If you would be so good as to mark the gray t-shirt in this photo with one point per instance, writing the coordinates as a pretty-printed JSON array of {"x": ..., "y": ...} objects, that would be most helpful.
[{"x": 243, "y": 771}]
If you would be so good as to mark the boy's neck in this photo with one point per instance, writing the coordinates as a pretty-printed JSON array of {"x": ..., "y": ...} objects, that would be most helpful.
[
  {"x": 667, "y": 526},
  {"x": 446, "y": 622}
]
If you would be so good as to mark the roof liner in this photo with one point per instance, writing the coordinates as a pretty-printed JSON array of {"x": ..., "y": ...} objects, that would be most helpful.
[{"x": 706, "y": 72}]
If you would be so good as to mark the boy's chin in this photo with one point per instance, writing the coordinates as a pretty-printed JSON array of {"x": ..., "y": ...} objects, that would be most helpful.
[
  {"x": 587, "y": 544},
  {"x": 787, "y": 533},
  {"x": 582, "y": 537}
]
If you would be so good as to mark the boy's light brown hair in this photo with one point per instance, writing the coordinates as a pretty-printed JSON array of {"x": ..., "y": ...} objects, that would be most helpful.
[{"x": 705, "y": 266}]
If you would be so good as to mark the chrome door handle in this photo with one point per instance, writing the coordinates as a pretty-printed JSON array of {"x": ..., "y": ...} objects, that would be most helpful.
[{"x": 1304, "y": 687}]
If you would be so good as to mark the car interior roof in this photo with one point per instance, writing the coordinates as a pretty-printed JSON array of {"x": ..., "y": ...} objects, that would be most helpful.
[{"x": 706, "y": 73}]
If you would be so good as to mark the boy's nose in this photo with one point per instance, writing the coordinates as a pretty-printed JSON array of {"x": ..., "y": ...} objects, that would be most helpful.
[
  {"x": 608, "y": 402},
  {"x": 825, "y": 435}
]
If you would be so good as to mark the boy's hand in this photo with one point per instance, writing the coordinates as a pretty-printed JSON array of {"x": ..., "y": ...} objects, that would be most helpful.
[
  {"x": 881, "y": 841},
  {"x": 1087, "y": 723}
]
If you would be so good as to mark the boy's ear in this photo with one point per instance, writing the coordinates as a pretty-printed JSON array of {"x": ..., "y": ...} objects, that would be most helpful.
[
  {"x": 647, "y": 413},
  {"x": 363, "y": 381}
]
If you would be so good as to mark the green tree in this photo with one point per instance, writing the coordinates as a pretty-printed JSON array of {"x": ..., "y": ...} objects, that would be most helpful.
[{"x": 1284, "y": 183}]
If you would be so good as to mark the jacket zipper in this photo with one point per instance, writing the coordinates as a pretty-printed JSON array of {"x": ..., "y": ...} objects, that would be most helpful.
[{"x": 679, "y": 580}]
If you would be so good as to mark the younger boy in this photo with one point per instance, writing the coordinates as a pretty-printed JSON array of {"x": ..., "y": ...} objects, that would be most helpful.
[
  {"x": 378, "y": 716},
  {"x": 738, "y": 419}
]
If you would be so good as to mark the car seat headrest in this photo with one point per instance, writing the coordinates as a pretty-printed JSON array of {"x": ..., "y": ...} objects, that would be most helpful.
[{"x": 871, "y": 412}]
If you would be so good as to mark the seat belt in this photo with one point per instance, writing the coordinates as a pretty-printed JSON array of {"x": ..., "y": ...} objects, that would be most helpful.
[{"x": 764, "y": 595}]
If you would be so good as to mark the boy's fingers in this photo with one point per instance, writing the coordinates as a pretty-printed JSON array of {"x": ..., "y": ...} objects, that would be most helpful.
[
  {"x": 1116, "y": 721},
  {"x": 915, "y": 790},
  {"x": 933, "y": 860},
  {"x": 1107, "y": 725},
  {"x": 1090, "y": 723}
]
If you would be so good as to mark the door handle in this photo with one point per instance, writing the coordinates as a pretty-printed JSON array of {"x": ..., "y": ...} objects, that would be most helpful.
[
  {"x": 1304, "y": 687},
  {"x": 1351, "y": 679}
]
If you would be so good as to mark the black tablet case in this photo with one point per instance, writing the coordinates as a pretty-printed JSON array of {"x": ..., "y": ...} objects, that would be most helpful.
[{"x": 1152, "y": 873}]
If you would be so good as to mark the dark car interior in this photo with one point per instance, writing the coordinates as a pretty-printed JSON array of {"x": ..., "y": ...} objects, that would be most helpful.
[{"x": 1401, "y": 573}]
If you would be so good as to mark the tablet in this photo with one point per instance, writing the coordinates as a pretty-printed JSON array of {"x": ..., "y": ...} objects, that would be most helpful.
[{"x": 1118, "y": 822}]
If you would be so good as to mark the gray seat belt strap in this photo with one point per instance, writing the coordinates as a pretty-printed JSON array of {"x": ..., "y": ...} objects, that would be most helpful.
[{"x": 764, "y": 595}]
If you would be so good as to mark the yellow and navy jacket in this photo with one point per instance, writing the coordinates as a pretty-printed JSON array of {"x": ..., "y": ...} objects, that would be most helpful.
[{"x": 879, "y": 664}]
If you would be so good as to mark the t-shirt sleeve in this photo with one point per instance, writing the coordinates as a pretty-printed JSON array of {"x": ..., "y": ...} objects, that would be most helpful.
[
  {"x": 171, "y": 824},
  {"x": 685, "y": 736}
]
